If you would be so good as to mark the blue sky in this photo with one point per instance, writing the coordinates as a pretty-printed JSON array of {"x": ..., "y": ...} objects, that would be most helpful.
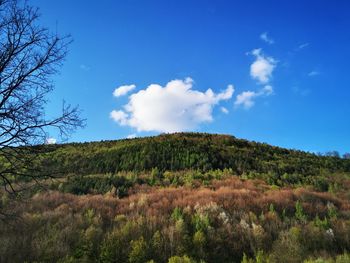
[{"x": 287, "y": 62}]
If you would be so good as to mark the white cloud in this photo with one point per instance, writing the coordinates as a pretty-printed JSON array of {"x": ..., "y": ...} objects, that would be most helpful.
[
  {"x": 246, "y": 98},
  {"x": 262, "y": 67},
  {"x": 123, "y": 90},
  {"x": 313, "y": 73},
  {"x": 119, "y": 116},
  {"x": 175, "y": 107},
  {"x": 226, "y": 94},
  {"x": 267, "y": 90},
  {"x": 51, "y": 141},
  {"x": 302, "y": 46},
  {"x": 224, "y": 110},
  {"x": 131, "y": 136},
  {"x": 264, "y": 36}
]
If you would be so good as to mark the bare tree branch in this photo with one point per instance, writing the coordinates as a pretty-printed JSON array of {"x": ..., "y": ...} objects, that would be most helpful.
[{"x": 29, "y": 56}]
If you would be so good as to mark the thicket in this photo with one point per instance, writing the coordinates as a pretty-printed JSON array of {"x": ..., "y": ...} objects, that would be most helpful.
[{"x": 229, "y": 220}]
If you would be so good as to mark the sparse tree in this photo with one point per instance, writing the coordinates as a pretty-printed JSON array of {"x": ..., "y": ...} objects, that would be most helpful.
[{"x": 29, "y": 56}]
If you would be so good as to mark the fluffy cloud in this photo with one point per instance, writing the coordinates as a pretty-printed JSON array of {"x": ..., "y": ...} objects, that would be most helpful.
[
  {"x": 51, "y": 141},
  {"x": 119, "y": 116},
  {"x": 266, "y": 38},
  {"x": 246, "y": 99},
  {"x": 262, "y": 67},
  {"x": 123, "y": 90},
  {"x": 174, "y": 107}
]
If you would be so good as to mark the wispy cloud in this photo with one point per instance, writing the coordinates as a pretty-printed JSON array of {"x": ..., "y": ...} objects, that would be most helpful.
[
  {"x": 302, "y": 46},
  {"x": 246, "y": 99},
  {"x": 267, "y": 39},
  {"x": 123, "y": 90},
  {"x": 172, "y": 108},
  {"x": 224, "y": 110},
  {"x": 263, "y": 66},
  {"x": 313, "y": 73},
  {"x": 302, "y": 92},
  {"x": 267, "y": 90},
  {"x": 84, "y": 67}
]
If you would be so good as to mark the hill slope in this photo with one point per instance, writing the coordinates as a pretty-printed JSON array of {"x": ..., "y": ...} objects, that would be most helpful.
[
  {"x": 181, "y": 151},
  {"x": 185, "y": 197}
]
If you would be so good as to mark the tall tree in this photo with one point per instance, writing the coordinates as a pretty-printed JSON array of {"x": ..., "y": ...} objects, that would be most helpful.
[{"x": 29, "y": 56}]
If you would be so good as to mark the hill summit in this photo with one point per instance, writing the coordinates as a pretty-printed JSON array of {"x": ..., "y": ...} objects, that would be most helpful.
[{"x": 182, "y": 151}]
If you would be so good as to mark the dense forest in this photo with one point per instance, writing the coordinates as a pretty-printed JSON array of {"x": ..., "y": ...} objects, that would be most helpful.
[
  {"x": 185, "y": 197},
  {"x": 181, "y": 151}
]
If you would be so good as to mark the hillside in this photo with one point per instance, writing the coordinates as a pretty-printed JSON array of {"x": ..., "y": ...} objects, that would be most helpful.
[
  {"x": 182, "y": 151},
  {"x": 179, "y": 198}
]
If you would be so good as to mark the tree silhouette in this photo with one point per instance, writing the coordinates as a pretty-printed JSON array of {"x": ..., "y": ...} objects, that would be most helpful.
[{"x": 29, "y": 56}]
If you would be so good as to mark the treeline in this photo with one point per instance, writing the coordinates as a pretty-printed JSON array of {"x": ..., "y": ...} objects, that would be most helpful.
[{"x": 183, "y": 151}]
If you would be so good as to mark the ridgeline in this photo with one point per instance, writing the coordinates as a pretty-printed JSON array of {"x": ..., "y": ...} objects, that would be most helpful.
[{"x": 183, "y": 151}]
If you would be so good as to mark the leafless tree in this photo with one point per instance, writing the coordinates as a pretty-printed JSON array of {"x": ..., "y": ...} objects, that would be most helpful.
[{"x": 29, "y": 56}]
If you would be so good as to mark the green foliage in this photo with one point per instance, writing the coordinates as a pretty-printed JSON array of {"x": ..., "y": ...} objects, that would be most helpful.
[
  {"x": 245, "y": 259},
  {"x": 139, "y": 251},
  {"x": 192, "y": 151},
  {"x": 157, "y": 244},
  {"x": 113, "y": 246},
  {"x": 201, "y": 222},
  {"x": 97, "y": 185},
  {"x": 322, "y": 223},
  {"x": 260, "y": 257},
  {"x": 183, "y": 259},
  {"x": 288, "y": 248},
  {"x": 199, "y": 242},
  {"x": 177, "y": 214},
  {"x": 299, "y": 212},
  {"x": 343, "y": 258},
  {"x": 320, "y": 183},
  {"x": 331, "y": 210}
]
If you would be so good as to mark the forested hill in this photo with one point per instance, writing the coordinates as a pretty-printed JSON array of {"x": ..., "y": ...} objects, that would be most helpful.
[
  {"x": 185, "y": 197},
  {"x": 183, "y": 151}
]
